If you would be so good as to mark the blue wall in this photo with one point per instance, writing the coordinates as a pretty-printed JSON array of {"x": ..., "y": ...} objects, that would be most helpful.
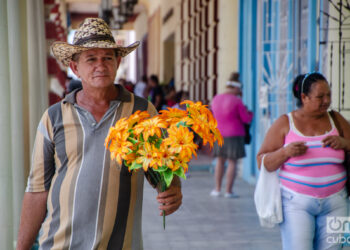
[
  {"x": 248, "y": 71},
  {"x": 250, "y": 57}
]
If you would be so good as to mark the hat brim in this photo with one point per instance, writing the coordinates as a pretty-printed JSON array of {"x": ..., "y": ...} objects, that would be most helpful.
[{"x": 64, "y": 52}]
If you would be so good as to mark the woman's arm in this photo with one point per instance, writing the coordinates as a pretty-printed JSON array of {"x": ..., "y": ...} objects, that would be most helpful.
[
  {"x": 245, "y": 115},
  {"x": 273, "y": 146}
]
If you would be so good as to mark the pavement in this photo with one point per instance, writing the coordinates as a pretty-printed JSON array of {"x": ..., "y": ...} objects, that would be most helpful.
[{"x": 204, "y": 222}]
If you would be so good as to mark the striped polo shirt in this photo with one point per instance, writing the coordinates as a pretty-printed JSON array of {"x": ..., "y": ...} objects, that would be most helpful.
[
  {"x": 93, "y": 203},
  {"x": 319, "y": 172}
]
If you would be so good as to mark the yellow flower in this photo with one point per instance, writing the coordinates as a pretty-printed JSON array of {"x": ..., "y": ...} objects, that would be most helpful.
[
  {"x": 181, "y": 163},
  {"x": 180, "y": 140},
  {"x": 203, "y": 123},
  {"x": 137, "y": 117},
  {"x": 120, "y": 126},
  {"x": 163, "y": 157},
  {"x": 130, "y": 158},
  {"x": 217, "y": 135},
  {"x": 196, "y": 108},
  {"x": 150, "y": 127},
  {"x": 146, "y": 156},
  {"x": 119, "y": 145},
  {"x": 173, "y": 115}
]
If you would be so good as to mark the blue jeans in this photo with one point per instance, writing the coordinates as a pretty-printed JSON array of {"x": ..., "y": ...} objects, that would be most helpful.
[{"x": 304, "y": 225}]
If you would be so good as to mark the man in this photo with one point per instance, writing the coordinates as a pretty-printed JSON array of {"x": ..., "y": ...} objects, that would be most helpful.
[{"x": 77, "y": 196}]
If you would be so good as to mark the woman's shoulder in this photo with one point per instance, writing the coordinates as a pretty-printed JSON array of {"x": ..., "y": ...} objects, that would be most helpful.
[{"x": 281, "y": 124}]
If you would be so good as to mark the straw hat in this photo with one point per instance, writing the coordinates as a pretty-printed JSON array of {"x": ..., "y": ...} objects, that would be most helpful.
[{"x": 93, "y": 33}]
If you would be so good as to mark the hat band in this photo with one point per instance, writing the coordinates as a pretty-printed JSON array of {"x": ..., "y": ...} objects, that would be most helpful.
[
  {"x": 94, "y": 38},
  {"x": 234, "y": 84}
]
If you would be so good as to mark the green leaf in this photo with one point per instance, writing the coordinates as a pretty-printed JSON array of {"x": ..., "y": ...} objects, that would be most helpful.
[
  {"x": 182, "y": 123},
  {"x": 135, "y": 165},
  {"x": 180, "y": 172},
  {"x": 168, "y": 176},
  {"x": 132, "y": 140},
  {"x": 161, "y": 169},
  {"x": 158, "y": 143}
]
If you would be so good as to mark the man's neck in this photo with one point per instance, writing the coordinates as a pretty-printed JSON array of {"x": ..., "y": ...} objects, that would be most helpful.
[
  {"x": 97, "y": 96},
  {"x": 96, "y": 101}
]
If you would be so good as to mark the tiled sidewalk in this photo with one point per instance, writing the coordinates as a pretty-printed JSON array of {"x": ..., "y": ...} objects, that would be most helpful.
[{"x": 207, "y": 223}]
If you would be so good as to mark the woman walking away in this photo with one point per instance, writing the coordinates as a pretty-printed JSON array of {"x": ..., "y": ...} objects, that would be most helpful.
[
  {"x": 231, "y": 115},
  {"x": 305, "y": 145}
]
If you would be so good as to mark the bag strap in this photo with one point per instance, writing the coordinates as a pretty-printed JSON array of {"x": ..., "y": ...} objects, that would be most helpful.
[{"x": 336, "y": 123}]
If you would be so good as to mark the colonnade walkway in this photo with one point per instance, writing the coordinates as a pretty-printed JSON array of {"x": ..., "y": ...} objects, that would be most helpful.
[{"x": 204, "y": 222}]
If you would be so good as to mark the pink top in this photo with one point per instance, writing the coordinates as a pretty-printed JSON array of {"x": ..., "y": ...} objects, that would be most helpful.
[
  {"x": 231, "y": 114},
  {"x": 319, "y": 172}
]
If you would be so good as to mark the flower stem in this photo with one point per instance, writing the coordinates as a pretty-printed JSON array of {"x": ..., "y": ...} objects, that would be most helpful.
[
  {"x": 163, "y": 188},
  {"x": 158, "y": 179}
]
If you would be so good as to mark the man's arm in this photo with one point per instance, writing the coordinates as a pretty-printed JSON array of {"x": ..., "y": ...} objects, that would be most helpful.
[
  {"x": 33, "y": 214},
  {"x": 171, "y": 199}
]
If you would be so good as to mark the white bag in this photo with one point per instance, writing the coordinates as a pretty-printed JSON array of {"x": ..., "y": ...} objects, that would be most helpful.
[{"x": 267, "y": 198}]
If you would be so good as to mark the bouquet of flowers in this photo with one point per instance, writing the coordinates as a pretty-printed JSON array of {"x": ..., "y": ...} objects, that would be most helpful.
[{"x": 164, "y": 144}]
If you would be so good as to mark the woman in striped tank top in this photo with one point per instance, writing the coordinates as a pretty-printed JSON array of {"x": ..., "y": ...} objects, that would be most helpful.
[{"x": 307, "y": 149}]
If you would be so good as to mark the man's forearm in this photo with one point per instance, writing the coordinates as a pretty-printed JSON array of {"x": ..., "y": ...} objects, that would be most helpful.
[{"x": 32, "y": 216}]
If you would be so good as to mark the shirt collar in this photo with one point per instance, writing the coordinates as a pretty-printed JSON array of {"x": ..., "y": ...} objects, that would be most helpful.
[{"x": 123, "y": 95}]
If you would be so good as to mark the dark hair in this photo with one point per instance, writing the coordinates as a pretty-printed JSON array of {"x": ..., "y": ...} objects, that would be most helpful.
[
  {"x": 154, "y": 78},
  {"x": 302, "y": 84},
  {"x": 234, "y": 77},
  {"x": 180, "y": 94}
]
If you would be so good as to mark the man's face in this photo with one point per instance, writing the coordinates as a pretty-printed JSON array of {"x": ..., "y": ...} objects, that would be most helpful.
[{"x": 96, "y": 68}]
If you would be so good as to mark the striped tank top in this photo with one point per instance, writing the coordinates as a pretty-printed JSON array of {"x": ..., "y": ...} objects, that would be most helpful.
[{"x": 319, "y": 172}]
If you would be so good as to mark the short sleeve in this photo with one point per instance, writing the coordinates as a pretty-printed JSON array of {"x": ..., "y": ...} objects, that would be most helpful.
[{"x": 43, "y": 162}]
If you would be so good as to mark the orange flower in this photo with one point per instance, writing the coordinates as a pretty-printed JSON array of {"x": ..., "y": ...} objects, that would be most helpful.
[
  {"x": 146, "y": 156},
  {"x": 181, "y": 163},
  {"x": 130, "y": 158},
  {"x": 196, "y": 108},
  {"x": 173, "y": 115},
  {"x": 137, "y": 117},
  {"x": 119, "y": 145},
  {"x": 120, "y": 126},
  {"x": 213, "y": 128},
  {"x": 163, "y": 157},
  {"x": 180, "y": 140},
  {"x": 150, "y": 127}
]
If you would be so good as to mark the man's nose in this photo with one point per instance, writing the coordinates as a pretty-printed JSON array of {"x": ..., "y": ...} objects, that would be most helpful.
[{"x": 101, "y": 63}]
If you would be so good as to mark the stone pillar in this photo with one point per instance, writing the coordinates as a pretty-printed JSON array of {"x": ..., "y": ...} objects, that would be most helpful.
[
  {"x": 6, "y": 224},
  {"x": 16, "y": 97},
  {"x": 37, "y": 69}
]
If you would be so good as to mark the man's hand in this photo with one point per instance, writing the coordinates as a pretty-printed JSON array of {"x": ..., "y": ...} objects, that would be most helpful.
[{"x": 170, "y": 200}]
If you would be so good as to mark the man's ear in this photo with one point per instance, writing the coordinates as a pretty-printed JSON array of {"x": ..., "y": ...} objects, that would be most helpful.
[{"x": 74, "y": 66}]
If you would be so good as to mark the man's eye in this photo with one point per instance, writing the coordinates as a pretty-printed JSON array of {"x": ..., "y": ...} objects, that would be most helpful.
[{"x": 90, "y": 59}]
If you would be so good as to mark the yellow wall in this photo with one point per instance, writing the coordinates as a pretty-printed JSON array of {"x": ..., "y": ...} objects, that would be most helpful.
[{"x": 228, "y": 41}]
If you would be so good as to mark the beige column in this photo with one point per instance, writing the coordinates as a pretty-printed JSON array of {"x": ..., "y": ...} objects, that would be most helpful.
[
  {"x": 16, "y": 97},
  {"x": 228, "y": 41},
  {"x": 37, "y": 68},
  {"x": 6, "y": 225}
]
